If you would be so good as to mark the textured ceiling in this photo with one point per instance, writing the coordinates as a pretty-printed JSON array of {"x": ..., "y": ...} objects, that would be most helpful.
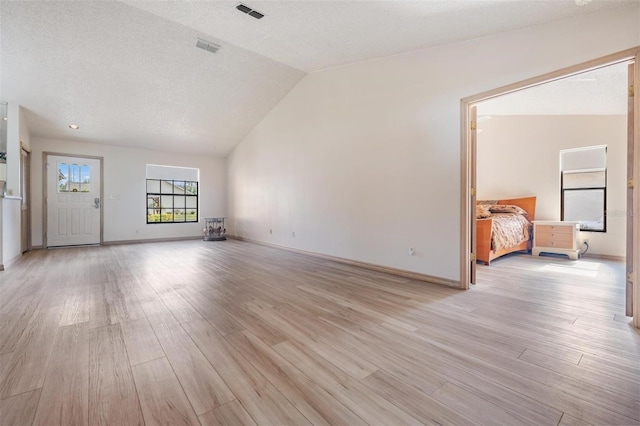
[
  {"x": 128, "y": 77},
  {"x": 312, "y": 35},
  {"x": 598, "y": 92},
  {"x": 128, "y": 72}
]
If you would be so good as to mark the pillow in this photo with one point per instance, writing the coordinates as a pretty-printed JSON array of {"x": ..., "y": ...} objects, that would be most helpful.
[
  {"x": 482, "y": 211},
  {"x": 507, "y": 208},
  {"x": 487, "y": 202}
]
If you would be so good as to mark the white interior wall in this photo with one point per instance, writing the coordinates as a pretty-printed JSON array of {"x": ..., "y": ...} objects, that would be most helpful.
[
  {"x": 363, "y": 161},
  {"x": 10, "y": 235},
  {"x": 519, "y": 156},
  {"x": 124, "y": 200}
]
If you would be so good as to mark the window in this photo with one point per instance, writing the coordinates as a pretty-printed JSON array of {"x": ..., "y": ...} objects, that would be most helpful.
[
  {"x": 74, "y": 177},
  {"x": 583, "y": 187},
  {"x": 172, "y": 194}
]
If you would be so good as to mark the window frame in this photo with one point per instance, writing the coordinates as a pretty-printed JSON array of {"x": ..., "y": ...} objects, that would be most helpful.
[
  {"x": 173, "y": 194},
  {"x": 563, "y": 190}
]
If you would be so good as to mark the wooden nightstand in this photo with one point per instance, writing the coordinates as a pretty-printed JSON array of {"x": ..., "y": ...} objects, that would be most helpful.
[{"x": 556, "y": 237}]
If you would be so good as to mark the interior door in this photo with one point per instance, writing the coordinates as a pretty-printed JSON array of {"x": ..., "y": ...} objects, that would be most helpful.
[
  {"x": 473, "y": 115},
  {"x": 73, "y": 201},
  {"x": 25, "y": 192}
]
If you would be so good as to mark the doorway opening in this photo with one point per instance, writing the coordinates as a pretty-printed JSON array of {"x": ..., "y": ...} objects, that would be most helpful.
[{"x": 470, "y": 124}]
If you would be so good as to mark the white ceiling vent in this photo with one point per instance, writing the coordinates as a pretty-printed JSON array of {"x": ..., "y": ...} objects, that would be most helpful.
[{"x": 211, "y": 47}]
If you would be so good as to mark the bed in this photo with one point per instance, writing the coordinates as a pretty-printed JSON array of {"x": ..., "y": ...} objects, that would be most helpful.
[{"x": 506, "y": 229}]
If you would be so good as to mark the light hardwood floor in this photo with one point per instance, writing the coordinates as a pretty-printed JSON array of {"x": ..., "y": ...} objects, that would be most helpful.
[{"x": 236, "y": 333}]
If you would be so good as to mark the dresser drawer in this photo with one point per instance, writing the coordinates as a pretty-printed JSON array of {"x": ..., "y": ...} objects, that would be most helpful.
[
  {"x": 548, "y": 242},
  {"x": 554, "y": 229},
  {"x": 553, "y": 236}
]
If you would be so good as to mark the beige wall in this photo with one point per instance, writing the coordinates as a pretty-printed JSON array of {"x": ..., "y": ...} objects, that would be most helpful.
[
  {"x": 363, "y": 161},
  {"x": 124, "y": 200},
  {"x": 519, "y": 156}
]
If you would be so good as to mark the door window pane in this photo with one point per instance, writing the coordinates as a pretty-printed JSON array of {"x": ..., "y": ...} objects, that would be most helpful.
[
  {"x": 85, "y": 178},
  {"x": 74, "y": 178},
  {"x": 63, "y": 177}
]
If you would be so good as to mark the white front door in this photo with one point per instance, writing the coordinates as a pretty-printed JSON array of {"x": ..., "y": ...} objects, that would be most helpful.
[{"x": 73, "y": 201}]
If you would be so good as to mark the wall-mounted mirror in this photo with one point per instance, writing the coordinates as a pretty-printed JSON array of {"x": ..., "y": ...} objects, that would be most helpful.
[{"x": 3, "y": 143}]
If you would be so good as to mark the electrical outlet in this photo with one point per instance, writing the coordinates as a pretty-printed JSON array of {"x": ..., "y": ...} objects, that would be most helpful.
[
  {"x": 293, "y": 234},
  {"x": 270, "y": 231},
  {"x": 411, "y": 251}
]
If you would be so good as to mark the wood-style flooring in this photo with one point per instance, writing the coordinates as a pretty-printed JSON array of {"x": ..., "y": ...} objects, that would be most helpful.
[{"x": 231, "y": 332}]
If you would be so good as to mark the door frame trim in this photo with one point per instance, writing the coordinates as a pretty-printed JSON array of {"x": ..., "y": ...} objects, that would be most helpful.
[
  {"x": 466, "y": 163},
  {"x": 45, "y": 207},
  {"x": 29, "y": 196}
]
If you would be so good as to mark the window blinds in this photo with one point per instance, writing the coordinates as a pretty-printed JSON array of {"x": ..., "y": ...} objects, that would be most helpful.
[{"x": 593, "y": 158}]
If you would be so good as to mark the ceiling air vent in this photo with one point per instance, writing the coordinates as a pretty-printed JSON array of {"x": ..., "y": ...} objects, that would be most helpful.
[
  {"x": 246, "y": 9},
  {"x": 242, "y": 8},
  {"x": 211, "y": 47}
]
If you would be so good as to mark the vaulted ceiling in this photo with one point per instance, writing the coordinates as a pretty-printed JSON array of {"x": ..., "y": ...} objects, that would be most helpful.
[{"x": 128, "y": 72}]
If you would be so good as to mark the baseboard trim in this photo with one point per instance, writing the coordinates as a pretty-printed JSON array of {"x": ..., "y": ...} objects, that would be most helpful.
[
  {"x": 604, "y": 256},
  {"x": 150, "y": 240},
  {"x": 370, "y": 266}
]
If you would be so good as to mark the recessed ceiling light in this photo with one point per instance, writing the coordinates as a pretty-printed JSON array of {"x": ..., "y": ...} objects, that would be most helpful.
[
  {"x": 582, "y": 2},
  {"x": 74, "y": 126}
]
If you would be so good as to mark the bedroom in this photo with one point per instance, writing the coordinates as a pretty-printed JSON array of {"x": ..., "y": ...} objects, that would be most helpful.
[{"x": 522, "y": 136}]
